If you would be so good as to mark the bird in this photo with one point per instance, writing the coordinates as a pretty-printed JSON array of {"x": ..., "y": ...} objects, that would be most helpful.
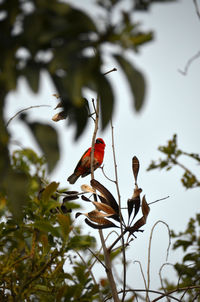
[{"x": 83, "y": 168}]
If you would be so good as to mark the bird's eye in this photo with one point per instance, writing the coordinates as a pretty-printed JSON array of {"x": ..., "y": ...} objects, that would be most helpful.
[{"x": 98, "y": 141}]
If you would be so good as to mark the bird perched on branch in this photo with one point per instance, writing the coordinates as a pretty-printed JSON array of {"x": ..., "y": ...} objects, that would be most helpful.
[{"x": 83, "y": 167}]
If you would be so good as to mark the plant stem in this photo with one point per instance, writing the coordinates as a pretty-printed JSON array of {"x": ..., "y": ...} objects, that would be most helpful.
[
  {"x": 106, "y": 253},
  {"x": 121, "y": 218}
]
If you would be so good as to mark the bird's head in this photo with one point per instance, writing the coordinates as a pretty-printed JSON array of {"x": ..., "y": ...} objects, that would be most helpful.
[{"x": 100, "y": 141}]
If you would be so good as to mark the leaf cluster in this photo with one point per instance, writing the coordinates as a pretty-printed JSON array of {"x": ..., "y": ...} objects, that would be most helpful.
[
  {"x": 172, "y": 155},
  {"x": 188, "y": 269},
  {"x": 107, "y": 208},
  {"x": 36, "y": 241}
]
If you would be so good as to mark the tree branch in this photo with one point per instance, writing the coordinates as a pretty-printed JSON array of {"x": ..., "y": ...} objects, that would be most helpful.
[
  {"x": 120, "y": 214},
  {"x": 106, "y": 254},
  {"x": 189, "y": 62},
  {"x": 25, "y": 109}
]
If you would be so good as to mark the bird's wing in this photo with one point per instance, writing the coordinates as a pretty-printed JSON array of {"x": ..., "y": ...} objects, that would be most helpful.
[{"x": 86, "y": 153}]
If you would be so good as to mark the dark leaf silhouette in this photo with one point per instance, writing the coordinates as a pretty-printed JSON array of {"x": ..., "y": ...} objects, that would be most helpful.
[
  {"x": 108, "y": 196},
  {"x": 85, "y": 198},
  {"x": 104, "y": 207},
  {"x": 135, "y": 167},
  {"x": 136, "y": 81},
  {"x": 59, "y": 116},
  {"x": 134, "y": 202},
  {"x": 102, "y": 226},
  {"x": 142, "y": 220},
  {"x": 47, "y": 139}
]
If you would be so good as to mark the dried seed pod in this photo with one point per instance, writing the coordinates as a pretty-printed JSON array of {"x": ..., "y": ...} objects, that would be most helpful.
[
  {"x": 87, "y": 189},
  {"x": 59, "y": 116},
  {"x": 135, "y": 167}
]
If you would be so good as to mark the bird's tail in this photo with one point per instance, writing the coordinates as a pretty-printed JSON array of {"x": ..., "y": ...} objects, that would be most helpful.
[{"x": 73, "y": 178}]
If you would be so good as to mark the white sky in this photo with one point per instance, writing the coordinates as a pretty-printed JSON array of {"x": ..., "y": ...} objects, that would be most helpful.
[{"x": 172, "y": 106}]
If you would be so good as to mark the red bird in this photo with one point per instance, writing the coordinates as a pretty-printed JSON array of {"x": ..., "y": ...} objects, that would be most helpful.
[{"x": 83, "y": 167}]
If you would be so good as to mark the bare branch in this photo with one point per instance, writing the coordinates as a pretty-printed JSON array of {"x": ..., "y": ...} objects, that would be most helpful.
[
  {"x": 25, "y": 109},
  {"x": 142, "y": 272},
  {"x": 151, "y": 291},
  {"x": 174, "y": 291},
  {"x": 161, "y": 279},
  {"x": 158, "y": 200},
  {"x": 121, "y": 218},
  {"x": 106, "y": 175},
  {"x": 197, "y": 8},
  {"x": 149, "y": 249},
  {"x": 107, "y": 259},
  {"x": 189, "y": 62},
  {"x": 114, "y": 69},
  {"x": 89, "y": 267}
]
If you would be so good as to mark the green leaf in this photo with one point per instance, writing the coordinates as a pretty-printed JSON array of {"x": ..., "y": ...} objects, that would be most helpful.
[
  {"x": 16, "y": 185},
  {"x": 47, "y": 139},
  {"x": 81, "y": 242},
  {"x": 49, "y": 191},
  {"x": 64, "y": 222},
  {"x": 46, "y": 227},
  {"x": 106, "y": 99},
  {"x": 136, "y": 81},
  {"x": 32, "y": 75}
]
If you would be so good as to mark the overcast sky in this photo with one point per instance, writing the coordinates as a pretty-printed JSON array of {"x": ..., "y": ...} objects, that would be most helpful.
[{"x": 172, "y": 106}]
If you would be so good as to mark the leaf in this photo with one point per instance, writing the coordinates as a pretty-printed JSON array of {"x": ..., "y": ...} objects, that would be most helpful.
[
  {"x": 46, "y": 227},
  {"x": 104, "y": 207},
  {"x": 87, "y": 189},
  {"x": 96, "y": 216},
  {"x": 64, "y": 222},
  {"x": 32, "y": 75},
  {"x": 106, "y": 99},
  {"x": 134, "y": 202},
  {"x": 136, "y": 81},
  {"x": 59, "y": 116},
  {"x": 108, "y": 196},
  {"x": 100, "y": 226},
  {"x": 81, "y": 242},
  {"x": 71, "y": 195},
  {"x": 47, "y": 139},
  {"x": 135, "y": 167},
  {"x": 16, "y": 185},
  {"x": 142, "y": 220},
  {"x": 85, "y": 198},
  {"x": 49, "y": 191}
]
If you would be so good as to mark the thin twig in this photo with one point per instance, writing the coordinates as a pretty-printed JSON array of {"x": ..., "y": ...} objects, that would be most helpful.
[
  {"x": 25, "y": 109},
  {"x": 106, "y": 175},
  {"x": 99, "y": 252},
  {"x": 89, "y": 268},
  {"x": 149, "y": 249},
  {"x": 176, "y": 290},
  {"x": 114, "y": 69},
  {"x": 142, "y": 272},
  {"x": 125, "y": 208},
  {"x": 121, "y": 218},
  {"x": 161, "y": 280},
  {"x": 97, "y": 258},
  {"x": 106, "y": 254},
  {"x": 197, "y": 8},
  {"x": 149, "y": 291},
  {"x": 189, "y": 62},
  {"x": 158, "y": 200}
]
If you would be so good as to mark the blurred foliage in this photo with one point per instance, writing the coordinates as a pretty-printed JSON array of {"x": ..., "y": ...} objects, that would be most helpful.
[
  {"x": 188, "y": 270},
  {"x": 68, "y": 44},
  {"x": 172, "y": 155},
  {"x": 35, "y": 245}
]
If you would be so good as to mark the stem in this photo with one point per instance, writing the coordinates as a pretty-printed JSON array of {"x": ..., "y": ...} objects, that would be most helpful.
[
  {"x": 106, "y": 253},
  {"x": 31, "y": 107},
  {"x": 120, "y": 214}
]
